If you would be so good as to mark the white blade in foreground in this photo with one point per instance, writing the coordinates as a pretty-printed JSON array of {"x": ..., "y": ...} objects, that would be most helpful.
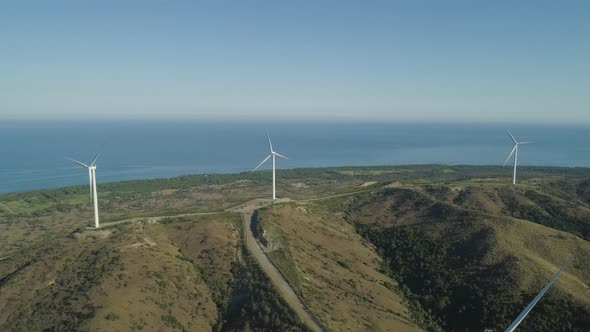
[
  {"x": 265, "y": 159},
  {"x": 510, "y": 155},
  {"x": 526, "y": 310}
]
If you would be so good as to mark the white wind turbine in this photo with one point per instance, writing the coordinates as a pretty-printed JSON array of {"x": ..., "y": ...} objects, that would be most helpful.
[
  {"x": 92, "y": 178},
  {"x": 515, "y": 152},
  {"x": 272, "y": 154}
]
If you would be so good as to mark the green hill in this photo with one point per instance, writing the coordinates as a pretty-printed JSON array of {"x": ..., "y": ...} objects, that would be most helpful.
[
  {"x": 474, "y": 253},
  {"x": 454, "y": 248}
]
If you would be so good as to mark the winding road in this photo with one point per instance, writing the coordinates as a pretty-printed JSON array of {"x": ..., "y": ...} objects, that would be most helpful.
[
  {"x": 272, "y": 272},
  {"x": 267, "y": 266},
  {"x": 247, "y": 209}
]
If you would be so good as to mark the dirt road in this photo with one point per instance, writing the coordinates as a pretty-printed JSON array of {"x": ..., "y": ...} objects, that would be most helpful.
[
  {"x": 154, "y": 219},
  {"x": 271, "y": 271},
  {"x": 275, "y": 276}
]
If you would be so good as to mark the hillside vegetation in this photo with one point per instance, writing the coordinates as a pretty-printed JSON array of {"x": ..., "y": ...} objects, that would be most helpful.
[
  {"x": 335, "y": 271},
  {"x": 28, "y": 218},
  {"x": 186, "y": 274},
  {"x": 453, "y": 248},
  {"x": 474, "y": 253},
  {"x": 465, "y": 254}
]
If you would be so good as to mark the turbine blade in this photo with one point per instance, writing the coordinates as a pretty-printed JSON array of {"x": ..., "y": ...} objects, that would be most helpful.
[
  {"x": 526, "y": 310},
  {"x": 525, "y": 143},
  {"x": 512, "y": 137},
  {"x": 269, "y": 142},
  {"x": 7, "y": 208},
  {"x": 77, "y": 162},
  {"x": 280, "y": 155},
  {"x": 265, "y": 159},
  {"x": 510, "y": 155},
  {"x": 94, "y": 160}
]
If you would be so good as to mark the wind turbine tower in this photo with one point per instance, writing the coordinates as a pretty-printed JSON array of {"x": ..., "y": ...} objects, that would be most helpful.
[
  {"x": 92, "y": 179},
  {"x": 515, "y": 153},
  {"x": 272, "y": 154}
]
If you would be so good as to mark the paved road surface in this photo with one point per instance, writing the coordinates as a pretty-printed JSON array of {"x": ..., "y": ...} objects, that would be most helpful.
[
  {"x": 275, "y": 276},
  {"x": 271, "y": 271}
]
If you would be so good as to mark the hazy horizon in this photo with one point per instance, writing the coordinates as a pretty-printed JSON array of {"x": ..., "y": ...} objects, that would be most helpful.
[
  {"x": 154, "y": 149},
  {"x": 268, "y": 121}
]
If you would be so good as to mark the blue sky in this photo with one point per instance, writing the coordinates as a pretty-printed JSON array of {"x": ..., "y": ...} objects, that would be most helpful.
[{"x": 501, "y": 61}]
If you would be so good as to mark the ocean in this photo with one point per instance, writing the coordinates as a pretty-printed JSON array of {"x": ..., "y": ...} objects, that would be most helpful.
[{"x": 33, "y": 153}]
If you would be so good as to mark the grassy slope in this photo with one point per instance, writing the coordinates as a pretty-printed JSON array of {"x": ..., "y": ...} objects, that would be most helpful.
[
  {"x": 45, "y": 214},
  {"x": 125, "y": 278},
  {"x": 459, "y": 248},
  {"x": 36, "y": 232},
  {"x": 188, "y": 274},
  {"x": 153, "y": 289},
  {"x": 38, "y": 280},
  {"x": 335, "y": 270}
]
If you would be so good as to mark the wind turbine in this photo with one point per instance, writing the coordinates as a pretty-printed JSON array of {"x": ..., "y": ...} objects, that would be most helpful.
[
  {"x": 92, "y": 179},
  {"x": 515, "y": 152},
  {"x": 272, "y": 154},
  {"x": 528, "y": 308}
]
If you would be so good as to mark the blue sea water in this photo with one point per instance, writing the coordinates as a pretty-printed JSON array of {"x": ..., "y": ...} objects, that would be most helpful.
[{"x": 32, "y": 153}]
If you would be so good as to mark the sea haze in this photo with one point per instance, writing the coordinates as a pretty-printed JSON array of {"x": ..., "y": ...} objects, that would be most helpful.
[{"x": 33, "y": 152}]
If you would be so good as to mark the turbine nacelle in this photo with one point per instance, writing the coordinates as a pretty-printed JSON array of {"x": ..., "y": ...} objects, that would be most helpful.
[
  {"x": 92, "y": 164},
  {"x": 272, "y": 154},
  {"x": 92, "y": 181},
  {"x": 515, "y": 153}
]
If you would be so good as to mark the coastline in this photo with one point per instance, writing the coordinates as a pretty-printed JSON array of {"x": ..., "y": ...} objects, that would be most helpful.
[{"x": 405, "y": 171}]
